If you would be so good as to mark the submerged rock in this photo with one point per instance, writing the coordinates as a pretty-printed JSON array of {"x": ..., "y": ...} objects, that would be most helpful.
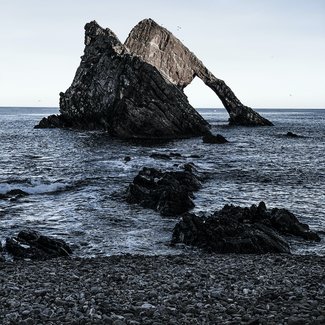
[
  {"x": 217, "y": 139},
  {"x": 159, "y": 47},
  {"x": 241, "y": 230},
  {"x": 170, "y": 193},
  {"x": 13, "y": 194},
  {"x": 33, "y": 245},
  {"x": 292, "y": 135},
  {"x": 121, "y": 93}
]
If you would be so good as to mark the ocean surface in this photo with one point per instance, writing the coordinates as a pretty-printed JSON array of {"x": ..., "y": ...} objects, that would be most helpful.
[{"x": 75, "y": 178}]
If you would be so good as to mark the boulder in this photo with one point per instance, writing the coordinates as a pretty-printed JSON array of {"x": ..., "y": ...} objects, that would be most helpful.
[
  {"x": 292, "y": 135},
  {"x": 53, "y": 121},
  {"x": 287, "y": 224},
  {"x": 33, "y": 245},
  {"x": 236, "y": 229},
  {"x": 13, "y": 194},
  {"x": 223, "y": 235},
  {"x": 164, "y": 156},
  {"x": 119, "y": 92},
  {"x": 161, "y": 156},
  {"x": 159, "y": 47},
  {"x": 215, "y": 139},
  {"x": 170, "y": 192}
]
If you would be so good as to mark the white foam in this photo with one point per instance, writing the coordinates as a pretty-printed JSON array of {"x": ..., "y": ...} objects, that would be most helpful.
[{"x": 33, "y": 188}]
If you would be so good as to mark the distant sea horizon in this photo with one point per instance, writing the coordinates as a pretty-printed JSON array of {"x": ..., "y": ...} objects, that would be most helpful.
[{"x": 255, "y": 108}]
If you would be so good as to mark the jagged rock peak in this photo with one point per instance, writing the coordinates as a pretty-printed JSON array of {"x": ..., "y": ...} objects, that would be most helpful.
[
  {"x": 95, "y": 33},
  {"x": 159, "y": 47},
  {"x": 121, "y": 93}
]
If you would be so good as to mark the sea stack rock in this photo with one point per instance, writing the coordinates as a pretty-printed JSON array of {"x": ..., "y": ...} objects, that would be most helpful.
[
  {"x": 159, "y": 47},
  {"x": 120, "y": 92}
]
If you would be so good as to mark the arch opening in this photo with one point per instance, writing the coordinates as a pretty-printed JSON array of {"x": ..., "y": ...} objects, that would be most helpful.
[{"x": 201, "y": 96}]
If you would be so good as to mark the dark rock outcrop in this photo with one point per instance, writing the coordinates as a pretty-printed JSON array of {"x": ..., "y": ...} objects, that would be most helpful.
[
  {"x": 53, "y": 121},
  {"x": 241, "y": 230},
  {"x": 121, "y": 93},
  {"x": 215, "y": 139},
  {"x": 292, "y": 135},
  {"x": 159, "y": 47},
  {"x": 164, "y": 156},
  {"x": 33, "y": 245},
  {"x": 13, "y": 194},
  {"x": 170, "y": 193}
]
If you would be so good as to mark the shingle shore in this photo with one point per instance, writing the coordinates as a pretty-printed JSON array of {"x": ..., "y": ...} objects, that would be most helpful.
[{"x": 182, "y": 289}]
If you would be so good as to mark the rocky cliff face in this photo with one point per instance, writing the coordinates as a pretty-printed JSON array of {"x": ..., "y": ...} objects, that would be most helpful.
[
  {"x": 159, "y": 47},
  {"x": 121, "y": 93}
]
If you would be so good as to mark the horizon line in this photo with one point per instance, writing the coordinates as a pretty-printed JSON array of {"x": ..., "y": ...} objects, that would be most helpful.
[{"x": 57, "y": 107}]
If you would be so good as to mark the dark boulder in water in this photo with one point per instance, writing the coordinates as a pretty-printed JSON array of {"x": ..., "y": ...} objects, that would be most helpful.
[
  {"x": 241, "y": 230},
  {"x": 33, "y": 245},
  {"x": 217, "y": 139},
  {"x": 292, "y": 135},
  {"x": 13, "y": 194},
  {"x": 161, "y": 156},
  {"x": 287, "y": 224},
  {"x": 53, "y": 121},
  {"x": 170, "y": 193}
]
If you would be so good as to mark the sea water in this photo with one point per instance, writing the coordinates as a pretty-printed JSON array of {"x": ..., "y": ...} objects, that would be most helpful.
[{"x": 76, "y": 179}]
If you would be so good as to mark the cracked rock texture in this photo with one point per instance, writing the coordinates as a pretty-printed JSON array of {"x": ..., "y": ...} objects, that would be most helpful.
[
  {"x": 121, "y": 93},
  {"x": 135, "y": 90}
]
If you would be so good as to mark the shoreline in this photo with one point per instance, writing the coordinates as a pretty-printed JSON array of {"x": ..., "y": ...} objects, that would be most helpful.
[{"x": 165, "y": 289}]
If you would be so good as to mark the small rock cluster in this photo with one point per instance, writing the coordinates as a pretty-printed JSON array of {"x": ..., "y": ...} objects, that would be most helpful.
[
  {"x": 169, "y": 192},
  {"x": 30, "y": 244},
  {"x": 242, "y": 230}
]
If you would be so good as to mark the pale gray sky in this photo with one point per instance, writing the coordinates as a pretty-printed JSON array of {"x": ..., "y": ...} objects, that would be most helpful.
[{"x": 270, "y": 52}]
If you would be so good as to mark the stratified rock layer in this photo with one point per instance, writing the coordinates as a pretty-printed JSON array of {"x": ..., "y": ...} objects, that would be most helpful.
[
  {"x": 119, "y": 92},
  {"x": 159, "y": 47}
]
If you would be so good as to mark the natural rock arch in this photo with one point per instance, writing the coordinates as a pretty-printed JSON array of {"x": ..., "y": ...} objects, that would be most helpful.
[
  {"x": 201, "y": 96},
  {"x": 135, "y": 90},
  {"x": 159, "y": 47}
]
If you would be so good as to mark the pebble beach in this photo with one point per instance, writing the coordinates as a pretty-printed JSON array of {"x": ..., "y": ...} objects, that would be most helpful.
[{"x": 196, "y": 288}]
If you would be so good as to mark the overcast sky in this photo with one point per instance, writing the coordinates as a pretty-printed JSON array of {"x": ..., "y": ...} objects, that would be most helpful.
[{"x": 270, "y": 52}]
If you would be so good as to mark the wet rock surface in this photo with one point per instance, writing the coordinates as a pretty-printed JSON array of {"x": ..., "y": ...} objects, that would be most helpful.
[
  {"x": 159, "y": 47},
  {"x": 30, "y": 244},
  {"x": 53, "y": 121},
  {"x": 119, "y": 92},
  {"x": 13, "y": 194},
  {"x": 242, "y": 230},
  {"x": 169, "y": 193},
  {"x": 185, "y": 289},
  {"x": 211, "y": 138},
  {"x": 135, "y": 90},
  {"x": 292, "y": 135}
]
